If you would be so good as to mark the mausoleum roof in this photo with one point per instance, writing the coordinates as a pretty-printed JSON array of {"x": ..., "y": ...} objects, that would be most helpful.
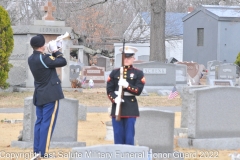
[{"x": 221, "y": 13}]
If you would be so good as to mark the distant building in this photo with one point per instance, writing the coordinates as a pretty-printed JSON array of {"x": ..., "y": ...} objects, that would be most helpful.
[
  {"x": 138, "y": 33},
  {"x": 139, "y": 29},
  {"x": 212, "y": 33}
]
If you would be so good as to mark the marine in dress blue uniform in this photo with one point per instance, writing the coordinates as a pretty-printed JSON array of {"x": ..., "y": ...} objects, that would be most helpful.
[
  {"x": 133, "y": 82},
  {"x": 47, "y": 93}
]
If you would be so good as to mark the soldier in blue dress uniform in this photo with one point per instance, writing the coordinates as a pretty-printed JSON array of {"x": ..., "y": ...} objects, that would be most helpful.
[
  {"x": 48, "y": 91},
  {"x": 133, "y": 82}
]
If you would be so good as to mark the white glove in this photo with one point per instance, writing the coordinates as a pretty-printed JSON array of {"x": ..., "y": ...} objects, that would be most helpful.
[
  {"x": 59, "y": 44},
  {"x": 118, "y": 99},
  {"x": 52, "y": 46},
  {"x": 123, "y": 82}
]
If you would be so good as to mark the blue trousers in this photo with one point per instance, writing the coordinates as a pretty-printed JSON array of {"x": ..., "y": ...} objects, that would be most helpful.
[
  {"x": 124, "y": 130},
  {"x": 44, "y": 126}
]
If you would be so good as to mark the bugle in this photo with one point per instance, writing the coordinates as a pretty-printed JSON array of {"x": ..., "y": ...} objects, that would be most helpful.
[
  {"x": 62, "y": 37},
  {"x": 58, "y": 41}
]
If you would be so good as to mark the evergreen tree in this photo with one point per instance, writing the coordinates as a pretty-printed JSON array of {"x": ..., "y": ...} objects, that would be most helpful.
[
  {"x": 237, "y": 62},
  {"x": 6, "y": 46}
]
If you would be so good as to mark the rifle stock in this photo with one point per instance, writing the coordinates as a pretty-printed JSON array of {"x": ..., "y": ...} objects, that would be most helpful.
[{"x": 120, "y": 89}]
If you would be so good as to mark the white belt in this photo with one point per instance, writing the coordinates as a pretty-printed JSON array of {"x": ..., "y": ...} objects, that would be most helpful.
[{"x": 125, "y": 93}]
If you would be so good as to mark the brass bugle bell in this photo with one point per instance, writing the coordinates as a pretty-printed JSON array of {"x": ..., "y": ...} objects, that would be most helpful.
[{"x": 62, "y": 37}]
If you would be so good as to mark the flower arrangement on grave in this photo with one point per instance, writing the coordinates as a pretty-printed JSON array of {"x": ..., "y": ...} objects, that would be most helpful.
[{"x": 91, "y": 84}]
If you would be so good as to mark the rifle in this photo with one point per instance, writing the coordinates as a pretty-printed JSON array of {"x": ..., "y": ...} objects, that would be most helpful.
[{"x": 120, "y": 89}]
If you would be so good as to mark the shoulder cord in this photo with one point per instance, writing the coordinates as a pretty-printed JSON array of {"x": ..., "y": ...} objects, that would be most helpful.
[{"x": 42, "y": 61}]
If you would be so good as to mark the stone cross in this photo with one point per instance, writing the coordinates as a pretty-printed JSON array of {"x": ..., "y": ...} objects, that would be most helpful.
[{"x": 49, "y": 8}]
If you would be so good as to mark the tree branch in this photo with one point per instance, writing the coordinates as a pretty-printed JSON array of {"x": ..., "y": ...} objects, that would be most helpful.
[{"x": 90, "y": 6}]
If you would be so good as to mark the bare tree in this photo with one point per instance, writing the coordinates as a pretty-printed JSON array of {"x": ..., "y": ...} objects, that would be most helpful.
[
  {"x": 157, "y": 32},
  {"x": 100, "y": 23}
]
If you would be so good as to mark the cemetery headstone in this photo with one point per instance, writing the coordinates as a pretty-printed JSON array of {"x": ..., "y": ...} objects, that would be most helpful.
[
  {"x": 95, "y": 73},
  {"x": 158, "y": 126},
  {"x": 213, "y": 120},
  {"x": 219, "y": 82},
  {"x": 226, "y": 71},
  {"x": 186, "y": 96},
  {"x": 209, "y": 122},
  {"x": 74, "y": 71},
  {"x": 157, "y": 73},
  {"x": 194, "y": 71},
  {"x": 104, "y": 62},
  {"x": 181, "y": 74},
  {"x": 66, "y": 129},
  {"x": 82, "y": 113},
  {"x": 109, "y": 131},
  {"x": 211, "y": 67}
]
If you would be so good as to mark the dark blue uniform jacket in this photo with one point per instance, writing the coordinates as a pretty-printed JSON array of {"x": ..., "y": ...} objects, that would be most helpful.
[
  {"x": 136, "y": 80},
  {"x": 47, "y": 84}
]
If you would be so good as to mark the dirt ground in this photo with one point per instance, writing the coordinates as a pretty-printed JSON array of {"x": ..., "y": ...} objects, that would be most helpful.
[
  {"x": 92, "y": 131},
  {"x": 89, "y": 97}
]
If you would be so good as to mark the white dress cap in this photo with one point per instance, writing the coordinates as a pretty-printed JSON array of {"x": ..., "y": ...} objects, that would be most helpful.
[{"x": 128, "y": 49}]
